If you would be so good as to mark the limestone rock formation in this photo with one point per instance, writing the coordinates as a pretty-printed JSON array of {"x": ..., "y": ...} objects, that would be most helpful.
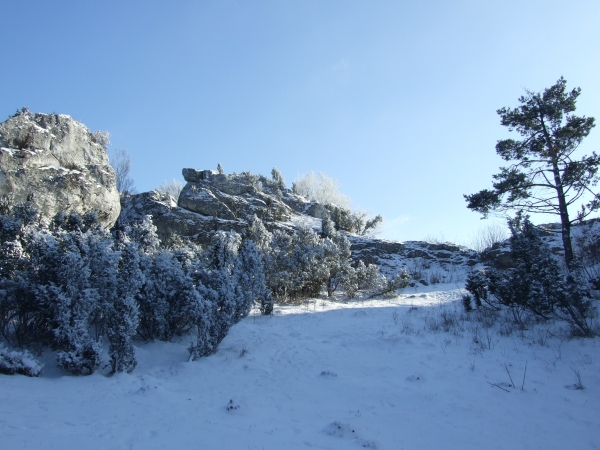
[
  {"x": 231, "y": 197},
  {"x": 171, "y": 220},
  {"x": 56, "y": 163},
  {"x": 213, "y": 201}
]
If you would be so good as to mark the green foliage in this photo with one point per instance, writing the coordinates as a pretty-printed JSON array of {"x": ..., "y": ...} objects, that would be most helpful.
[
  {"x": 544, "y": 175},
  {"x": 353, "y": 222},
  {"x": 537, "y": 284}
]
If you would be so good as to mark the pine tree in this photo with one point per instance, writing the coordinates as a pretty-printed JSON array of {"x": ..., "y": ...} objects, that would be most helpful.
[
  {"x": 544, "y": 176},
  {"x": 536, "y": 285}
]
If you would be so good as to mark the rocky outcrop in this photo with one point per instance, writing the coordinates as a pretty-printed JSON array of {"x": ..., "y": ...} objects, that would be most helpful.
[
  {"x": 213, "y": 201},
  {"x": 171, "y": 220},
  {"x": 391, "y": 255},
  {"x": 241, "y": 197},
  {"x": 56, "y": 163}
]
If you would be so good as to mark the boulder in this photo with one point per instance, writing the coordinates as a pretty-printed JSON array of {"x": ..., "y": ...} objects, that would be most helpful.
[
  {"x": 57, "y": 164},
  {"x": 200, "y": 199}
]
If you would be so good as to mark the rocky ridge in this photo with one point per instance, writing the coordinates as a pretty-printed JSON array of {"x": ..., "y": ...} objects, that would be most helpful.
[{"x": 213, "y": 201}]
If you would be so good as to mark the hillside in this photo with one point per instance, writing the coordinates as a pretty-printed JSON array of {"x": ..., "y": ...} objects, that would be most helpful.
[{"x": 411, "y": 372}]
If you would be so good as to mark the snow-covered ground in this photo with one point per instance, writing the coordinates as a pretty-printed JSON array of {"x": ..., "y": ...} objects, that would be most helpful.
[{"x": 379, "y": 374}]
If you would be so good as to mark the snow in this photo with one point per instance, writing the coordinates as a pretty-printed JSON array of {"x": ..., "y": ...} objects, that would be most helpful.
[
  {"x": 303, "y": 220},
  {"x": 332, "y": 375}
]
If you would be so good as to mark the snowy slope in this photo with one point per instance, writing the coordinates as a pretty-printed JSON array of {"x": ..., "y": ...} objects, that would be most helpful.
[{"x": 380, "y": 374}]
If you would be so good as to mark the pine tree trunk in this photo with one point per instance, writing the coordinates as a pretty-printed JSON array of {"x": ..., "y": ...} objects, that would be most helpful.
[
  {"x": 560, "y": 193},
  {"x": 564, "y": 216}
]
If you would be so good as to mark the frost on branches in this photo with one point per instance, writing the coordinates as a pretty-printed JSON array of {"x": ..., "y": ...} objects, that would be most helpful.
[{"x": 71, "y": 286}]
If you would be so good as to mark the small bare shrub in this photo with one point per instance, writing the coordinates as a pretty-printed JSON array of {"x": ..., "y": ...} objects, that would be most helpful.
[
  {"x": 435, "y": 276},
  {"x": 121, "y": 163},
  {"x": 172, "y": 188},
  {"x": 487, "y": 236},
  {"x": 24, "y": 142},
  {"x": 577, "y": 385}
]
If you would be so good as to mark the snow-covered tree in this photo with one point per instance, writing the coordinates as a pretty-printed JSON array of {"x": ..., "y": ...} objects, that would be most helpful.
[
  {"x": 278, "y": 178},
  {"x": 318, "y": 187}
]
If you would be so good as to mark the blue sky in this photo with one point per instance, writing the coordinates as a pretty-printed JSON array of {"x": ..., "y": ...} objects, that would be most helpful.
[{"x": 395, "y": 99}]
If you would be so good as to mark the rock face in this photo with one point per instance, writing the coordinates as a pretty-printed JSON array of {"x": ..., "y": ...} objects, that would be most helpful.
[
  {"x": 56, "y": 163},
  {"x": 171, "y": 220},
  {"x": 212, "y": 201},
  {"x": 390, "y": 254},
  {"x": 231, "y": 197}
]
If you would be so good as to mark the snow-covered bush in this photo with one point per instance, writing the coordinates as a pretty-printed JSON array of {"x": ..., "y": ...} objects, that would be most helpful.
[
  {"x": 537, "y": 284},
  {"x": 389, "y": 286},
  {"x": 102, "y": 138},
  {"x": 368, "y": 280},
  {"x": 249, "y": 275},
  {"x": 368, "y": 277},
  {"x": 277, "y": 178},
  {"x": 166, "y": 299},
  {"x": 122, "y": 314},
  {"x": 228, "y": 286},
  {"x": 23, "y": 322},
  {"x": 296, "y": 264},
  {"x": 19, "y": 362}
]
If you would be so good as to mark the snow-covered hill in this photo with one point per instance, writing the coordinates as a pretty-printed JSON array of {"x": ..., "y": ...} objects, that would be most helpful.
[{"x": 413, "y": 372}]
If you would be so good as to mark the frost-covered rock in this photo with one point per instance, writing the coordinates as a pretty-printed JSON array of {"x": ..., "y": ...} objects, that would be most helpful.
[
  {"x": 390, "y": 253},
  {"x": 231, "y": 197},
  {"x": 58, "y": 164},
  {"x": 172, "y": 220}
]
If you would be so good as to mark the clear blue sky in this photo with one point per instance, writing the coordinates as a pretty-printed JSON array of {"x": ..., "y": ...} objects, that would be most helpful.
[{"x": 395, "y": 99}]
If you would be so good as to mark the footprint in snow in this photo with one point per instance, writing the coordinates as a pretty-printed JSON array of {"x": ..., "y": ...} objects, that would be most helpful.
[{"x": 359, "y": 314}]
